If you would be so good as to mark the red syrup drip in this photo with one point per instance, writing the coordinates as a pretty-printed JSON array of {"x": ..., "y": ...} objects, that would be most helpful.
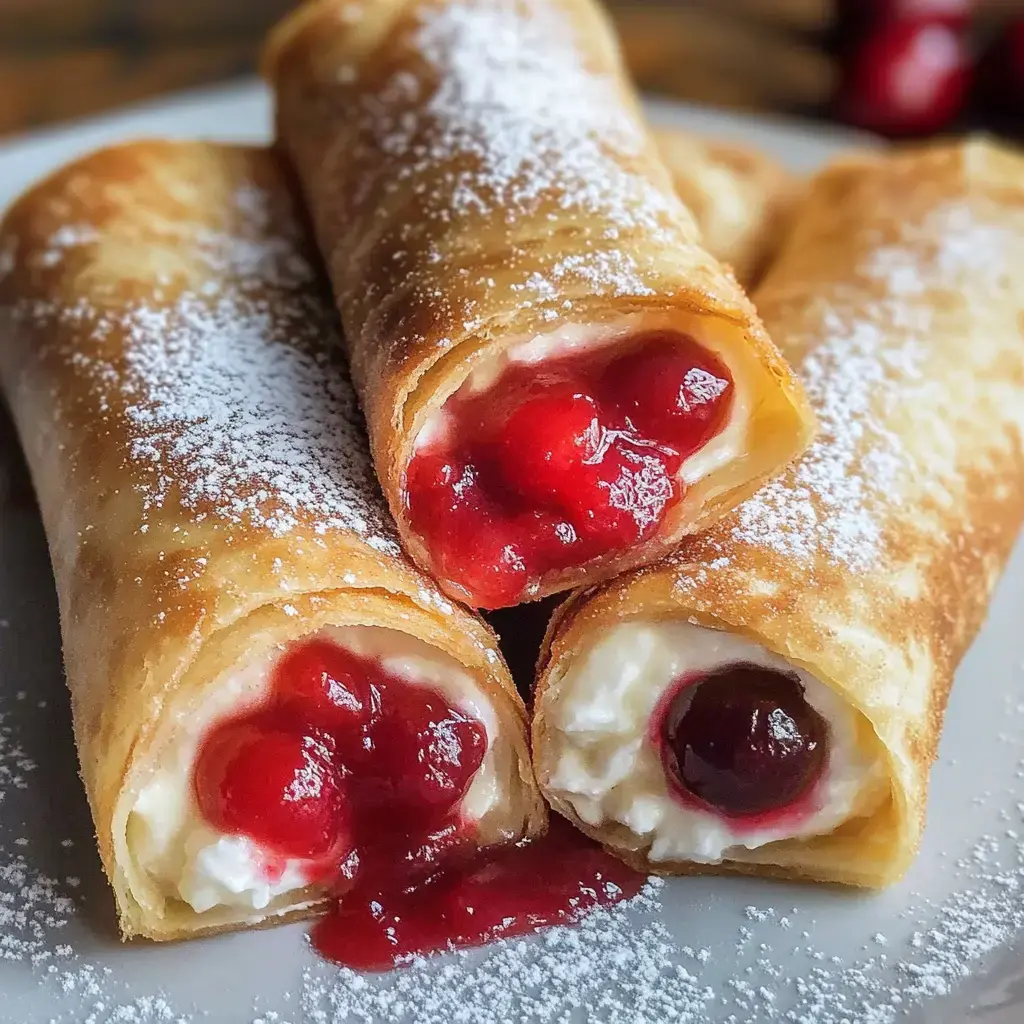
[
  {"x": 362, "y": 775},
  {"x": 742, "y": 742},
  {"x": 562, "y": 462},
  {"x": 498, "y": 894}
]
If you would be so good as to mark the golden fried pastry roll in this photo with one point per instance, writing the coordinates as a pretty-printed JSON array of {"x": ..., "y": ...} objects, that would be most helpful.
[
  {"x": 769, "y": 699},
  {"x": 269, "y": 698},
  {"x": 559, "y": 380},
  {"x": 740, "y": 197}
]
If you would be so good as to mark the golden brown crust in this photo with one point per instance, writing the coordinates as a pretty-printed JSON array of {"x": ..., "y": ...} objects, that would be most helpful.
[
  {"x": 479, "y": 174},
  {"x": 169, "y": 356},
  {"x": 741, "y": 198},
  {"x": 899, "y": 296}
]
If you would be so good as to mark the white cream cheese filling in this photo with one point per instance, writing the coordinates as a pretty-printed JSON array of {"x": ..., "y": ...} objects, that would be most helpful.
[
  {"x": 185, "y": 858},
  {"x": 604, "y": 763},
  {"x": 573, "y": 339}
]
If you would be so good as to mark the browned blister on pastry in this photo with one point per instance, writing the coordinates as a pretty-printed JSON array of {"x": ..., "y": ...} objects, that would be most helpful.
[
  {"x": 559, "y": 380},
  {"x": 170, "y": 354},
  {"x": 741, "y": 198},
  {"x": 769, "y": 699}
]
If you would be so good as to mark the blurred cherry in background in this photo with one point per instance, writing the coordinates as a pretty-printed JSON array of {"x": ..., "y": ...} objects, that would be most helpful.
[
  {"x": 917, "y": 67},
  {"x": 908, "y": 77}
]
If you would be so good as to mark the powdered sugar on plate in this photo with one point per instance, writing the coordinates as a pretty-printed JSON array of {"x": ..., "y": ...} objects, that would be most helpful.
[
  {"x": 38, "y": 910},
  {"x": 618, "y": 965},
  {"x": 15, "y": 764}
]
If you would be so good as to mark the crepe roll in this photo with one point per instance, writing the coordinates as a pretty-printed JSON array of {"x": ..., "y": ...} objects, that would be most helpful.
[
  {"x": 769, "y": 699},
  {"x": 269, "y": 699},
  {"x": 559, "y": 380},
  {"x": 740, "y": 197}
]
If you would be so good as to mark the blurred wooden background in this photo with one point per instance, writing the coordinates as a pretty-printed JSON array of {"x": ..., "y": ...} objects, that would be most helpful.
[{"x": 61, "y": 59}]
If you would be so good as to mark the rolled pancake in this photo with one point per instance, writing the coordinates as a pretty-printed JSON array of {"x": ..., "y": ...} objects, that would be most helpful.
[
  {"x": 769, "y": 699},
  {"x": 170, "y": 357},
  {"x": 514, "y": 271},
  {"x": 741, "y": 197}
]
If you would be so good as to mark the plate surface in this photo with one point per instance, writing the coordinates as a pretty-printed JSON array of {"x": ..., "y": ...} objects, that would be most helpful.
[{"x": 944, "y": 947}]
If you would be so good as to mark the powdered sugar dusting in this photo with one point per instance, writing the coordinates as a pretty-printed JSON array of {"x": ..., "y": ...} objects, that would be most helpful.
[
  {"x": 66, "y": 237},
  {"x": 33, "y": 907},
  {"x": 946, "y": 943},
  {"x": 868, "y": 361},
  {"x": 506, "y": 117},
  {"x": 235, "y": 397},
  {"x": 15, "y": 764}
]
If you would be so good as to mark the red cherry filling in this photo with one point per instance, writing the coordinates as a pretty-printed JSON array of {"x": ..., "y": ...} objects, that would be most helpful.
[
  {"x": 549, "y": 433},
  {"x": 354, "y": 769},
  {"x": 663, "y": 399},
  {"x": 276, "y": 786},
  {"x": 327, "y": 687},
  {"x": 553, "y": 467},
  {"x": 343, "y": 756},
  {"x": 480, "y": 550},
  {"x": 417, "y": 761},
  {"x": 744, "y": 741},
  {"x": 497, "y": 894}
]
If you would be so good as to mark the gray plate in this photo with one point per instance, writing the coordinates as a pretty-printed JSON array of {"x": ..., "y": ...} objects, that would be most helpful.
[{"x": 940, "y": 947}]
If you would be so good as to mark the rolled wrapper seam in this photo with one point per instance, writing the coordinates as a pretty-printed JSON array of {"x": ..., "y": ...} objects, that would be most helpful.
[
  {"x": 480, "y": 177},
  {"x": 170, "y": 359},
  {"x": 899, "y": 298}
]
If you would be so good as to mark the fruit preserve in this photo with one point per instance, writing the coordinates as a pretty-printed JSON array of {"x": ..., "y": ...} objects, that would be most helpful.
[
  {"x": 359, "y": 776},
  {"x": 346, "y": 767},
  {"x": 561, "y": 462}
]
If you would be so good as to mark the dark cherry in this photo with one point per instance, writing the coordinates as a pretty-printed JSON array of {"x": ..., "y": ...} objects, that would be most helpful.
[{"x": 744, "y": 740}]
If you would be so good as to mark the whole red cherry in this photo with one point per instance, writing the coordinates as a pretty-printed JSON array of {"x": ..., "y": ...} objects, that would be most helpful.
[{"x": 909, "y": 78}]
